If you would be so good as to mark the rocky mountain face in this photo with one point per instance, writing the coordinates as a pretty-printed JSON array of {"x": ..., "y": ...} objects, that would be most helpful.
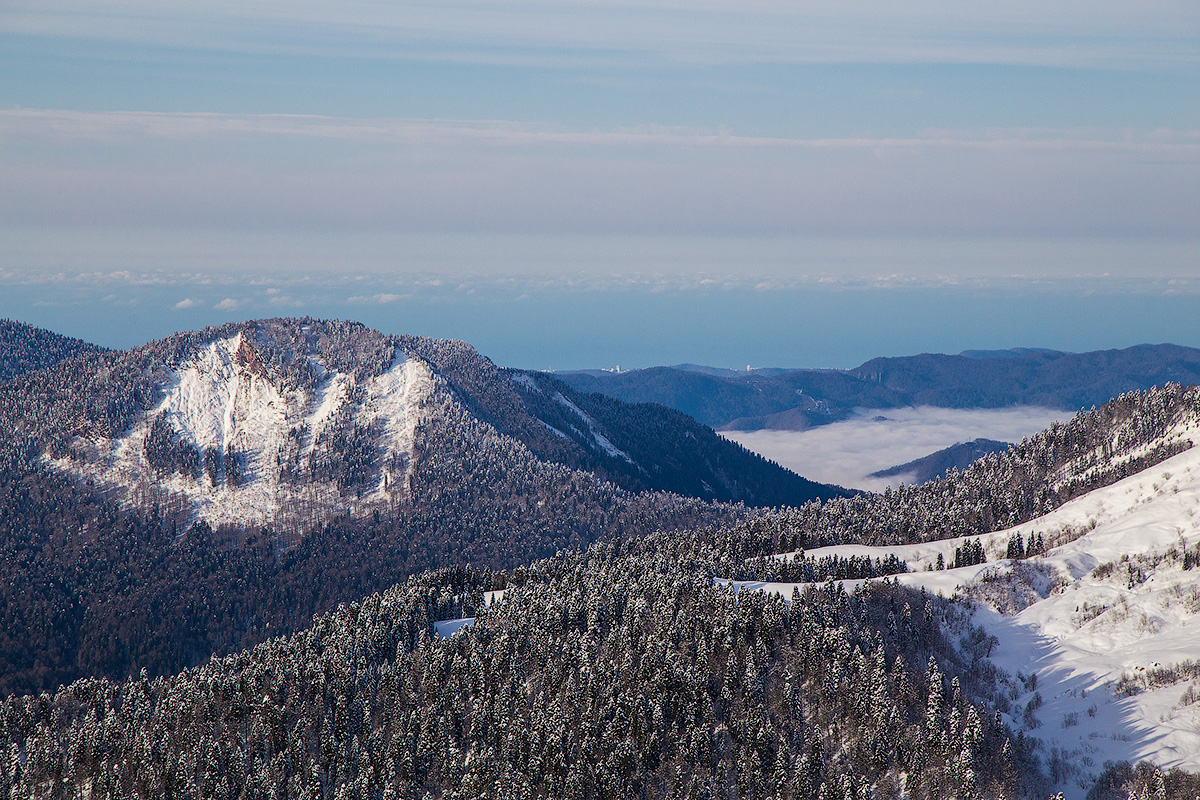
[{"x": 233, "y": 442}]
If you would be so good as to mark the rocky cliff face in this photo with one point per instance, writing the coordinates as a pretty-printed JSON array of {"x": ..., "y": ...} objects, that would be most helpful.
[{"x": 235, "y": 444}]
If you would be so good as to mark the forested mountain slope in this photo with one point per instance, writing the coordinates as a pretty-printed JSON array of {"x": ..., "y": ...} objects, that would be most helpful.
[
  {"x": 611, "y": 674},
  {"x": 650, "y": 446},
  {"x": 633, "y": 669},
  {"x": 24, "y": 348},
  {"x": 1094, "y": 449},
  {"x": 635, "y": 446},
  {"x": 209, "y": 490},
  {"x": 796, "y": 399},
  {"x": 1091, "y": 610}
]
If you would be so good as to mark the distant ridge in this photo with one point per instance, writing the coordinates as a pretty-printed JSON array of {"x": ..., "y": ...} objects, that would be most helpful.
[
  {"x": 25, "y": 348},
  {"x": 937, "y": 465},
  {"x": 725, "y": 372},
  {"x": 1012, "y": 352},
  {"x": 793, "y": 399}
]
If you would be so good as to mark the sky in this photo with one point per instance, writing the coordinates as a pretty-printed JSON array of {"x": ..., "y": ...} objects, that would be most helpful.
[{"x": 573, "y": 184}]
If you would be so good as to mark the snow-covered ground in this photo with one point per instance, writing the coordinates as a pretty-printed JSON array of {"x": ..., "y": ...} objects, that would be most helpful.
[
  {"x": 221, "y": 398},
  {"x": 1108, "y": 605},
  {"x": 448, "y": 627}
]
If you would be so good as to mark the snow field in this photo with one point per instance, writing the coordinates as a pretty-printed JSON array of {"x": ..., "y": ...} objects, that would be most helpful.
[{"x": 448, "y": 627}]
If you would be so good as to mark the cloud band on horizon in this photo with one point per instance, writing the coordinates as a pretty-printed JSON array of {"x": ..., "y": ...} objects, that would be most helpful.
[{"x": 298, "y": 171}]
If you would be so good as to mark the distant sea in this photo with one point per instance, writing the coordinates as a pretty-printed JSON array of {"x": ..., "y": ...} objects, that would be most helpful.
[{"x": 571, "y": 302}]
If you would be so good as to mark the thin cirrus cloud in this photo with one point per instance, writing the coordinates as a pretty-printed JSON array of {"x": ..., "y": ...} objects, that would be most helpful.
[
  {"x": 117, "y": 127},
  {"x": 581, "y": 31},
  {"x": 370, "y": 268},
  {"x": 288, "y": 172}
]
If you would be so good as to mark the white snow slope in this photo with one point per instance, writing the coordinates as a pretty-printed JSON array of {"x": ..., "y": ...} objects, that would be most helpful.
[
  {"x": 1094, "y": 618},
  {"x": 219, "y": 399},
  {"x": 593, "y": 429}
]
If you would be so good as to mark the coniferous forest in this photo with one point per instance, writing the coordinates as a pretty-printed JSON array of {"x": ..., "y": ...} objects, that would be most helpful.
[
  {"x": 145, "y": 654},
  {"x": 618, "y": 672}
]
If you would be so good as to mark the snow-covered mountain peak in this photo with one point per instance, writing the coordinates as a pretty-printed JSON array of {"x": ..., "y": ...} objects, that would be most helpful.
[{"x": 230, "y": 443}]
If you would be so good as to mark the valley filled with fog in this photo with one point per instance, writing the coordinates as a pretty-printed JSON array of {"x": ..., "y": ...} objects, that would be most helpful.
[{"x": 846, "y": 453}]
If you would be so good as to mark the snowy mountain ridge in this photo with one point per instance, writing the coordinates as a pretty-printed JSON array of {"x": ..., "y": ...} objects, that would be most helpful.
[
  {"x": 250, "y": 449},
  {"x": 290, "y": 423},
  {"x": 1100, "y": 635},
  {"x": 797, "y": 399}
]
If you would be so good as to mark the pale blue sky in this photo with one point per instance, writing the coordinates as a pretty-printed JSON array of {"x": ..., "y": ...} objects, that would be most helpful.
[{"x": 585, "y": 155}]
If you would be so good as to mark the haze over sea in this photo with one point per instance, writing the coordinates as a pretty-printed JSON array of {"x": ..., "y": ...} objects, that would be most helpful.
[{"x": 603, "y": 301}]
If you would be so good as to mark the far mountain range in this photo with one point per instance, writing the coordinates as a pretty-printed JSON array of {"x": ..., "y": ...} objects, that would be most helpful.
[{"x": 798, "y": 399}]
